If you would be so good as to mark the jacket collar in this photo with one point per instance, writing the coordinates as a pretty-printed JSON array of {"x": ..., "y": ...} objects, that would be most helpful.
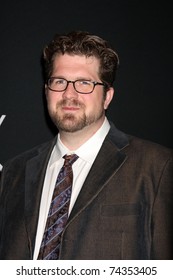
[{"x": 118, "y": 138}]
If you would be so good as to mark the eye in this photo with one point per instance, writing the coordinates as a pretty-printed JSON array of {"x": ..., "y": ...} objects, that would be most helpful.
[
  {"x": 84, "y": 82},
  {"x": 58, "y": 81}
]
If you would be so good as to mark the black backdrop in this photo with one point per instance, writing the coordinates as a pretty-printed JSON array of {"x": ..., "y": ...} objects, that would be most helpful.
[{"x": 141, "y": 32}]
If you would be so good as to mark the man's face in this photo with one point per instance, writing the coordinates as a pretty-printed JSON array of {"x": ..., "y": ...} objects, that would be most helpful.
[{"x": 70, "y": 110}]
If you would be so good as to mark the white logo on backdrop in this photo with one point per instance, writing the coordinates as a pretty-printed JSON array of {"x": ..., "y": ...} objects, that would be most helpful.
[{"x": 1, "y": 121}]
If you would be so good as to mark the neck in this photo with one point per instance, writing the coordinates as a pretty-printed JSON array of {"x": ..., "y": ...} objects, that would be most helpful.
[{"x": 73, "y": 140}]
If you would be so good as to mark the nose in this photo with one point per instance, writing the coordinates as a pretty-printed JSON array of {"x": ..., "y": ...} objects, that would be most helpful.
[{"x": 70, "y": 91}]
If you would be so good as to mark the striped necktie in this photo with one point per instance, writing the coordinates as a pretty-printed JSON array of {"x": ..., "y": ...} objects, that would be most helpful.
[{"x": 58, "y": 212}]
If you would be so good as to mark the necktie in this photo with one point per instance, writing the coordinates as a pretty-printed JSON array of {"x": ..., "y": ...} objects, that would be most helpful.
[{"x": 58, "y": 212}]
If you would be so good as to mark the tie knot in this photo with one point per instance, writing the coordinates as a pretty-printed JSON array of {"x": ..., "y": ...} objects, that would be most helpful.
[{"x": 70, "y": 159}]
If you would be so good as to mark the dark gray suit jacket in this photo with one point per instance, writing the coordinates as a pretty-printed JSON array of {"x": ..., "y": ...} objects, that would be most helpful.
[{"x": 124, "y": 210}]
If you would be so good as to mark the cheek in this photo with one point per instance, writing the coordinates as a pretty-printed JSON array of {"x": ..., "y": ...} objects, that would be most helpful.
[
  {"x": 94, "y": 104},
  {"x": 52, "y": 99}
]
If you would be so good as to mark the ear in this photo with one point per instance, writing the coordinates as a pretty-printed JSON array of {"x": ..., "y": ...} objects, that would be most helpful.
[{"x": 109, "y": 96}]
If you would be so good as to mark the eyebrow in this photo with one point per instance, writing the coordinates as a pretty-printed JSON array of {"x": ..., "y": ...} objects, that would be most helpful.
[{"x": 77, "y": 78}]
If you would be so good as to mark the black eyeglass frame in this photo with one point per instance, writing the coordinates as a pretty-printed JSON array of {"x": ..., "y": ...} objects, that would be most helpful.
[{"x": 73, "y": 82}]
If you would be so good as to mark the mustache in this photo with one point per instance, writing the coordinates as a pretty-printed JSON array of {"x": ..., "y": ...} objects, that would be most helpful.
[{"x": 70, "y": 102}]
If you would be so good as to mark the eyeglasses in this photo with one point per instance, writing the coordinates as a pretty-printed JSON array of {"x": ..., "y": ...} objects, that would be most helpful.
[{"x": 81, "y": 86}]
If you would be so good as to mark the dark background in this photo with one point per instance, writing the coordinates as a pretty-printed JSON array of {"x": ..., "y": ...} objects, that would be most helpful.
[{"x": 140, "y": 31}]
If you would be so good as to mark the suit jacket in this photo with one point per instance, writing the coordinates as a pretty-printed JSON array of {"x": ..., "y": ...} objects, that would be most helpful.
[{"x": 123, "y": 211}]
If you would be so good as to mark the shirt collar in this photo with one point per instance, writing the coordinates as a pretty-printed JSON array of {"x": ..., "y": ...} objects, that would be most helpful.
[{"x": 87, "y": 151}]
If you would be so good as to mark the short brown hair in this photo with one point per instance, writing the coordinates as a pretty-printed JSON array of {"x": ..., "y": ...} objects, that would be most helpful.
[{"x": 82, "y": 43}]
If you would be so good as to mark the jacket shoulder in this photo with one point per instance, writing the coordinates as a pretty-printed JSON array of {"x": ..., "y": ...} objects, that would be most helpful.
[
  {"x": 148, "y": 147},
  {"x": 149, "y": 157},
  {"x": 132, "y": 144},
  {"x": 28, "y": 154}
]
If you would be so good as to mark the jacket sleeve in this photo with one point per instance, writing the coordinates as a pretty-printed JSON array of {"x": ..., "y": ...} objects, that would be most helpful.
[{"x": 162, "y": 218}]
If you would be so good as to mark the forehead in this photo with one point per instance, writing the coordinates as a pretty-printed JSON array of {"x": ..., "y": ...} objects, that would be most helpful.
[{"x": 68, "y": 60}]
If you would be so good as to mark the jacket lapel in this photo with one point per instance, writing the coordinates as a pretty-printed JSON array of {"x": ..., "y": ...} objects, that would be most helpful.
[
  {"x": 35, "y": 173},
  {"x": 109, "y": 159}
]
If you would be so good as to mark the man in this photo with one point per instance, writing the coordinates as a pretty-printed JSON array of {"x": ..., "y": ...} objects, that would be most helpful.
[{"x": 121, "y": 204}]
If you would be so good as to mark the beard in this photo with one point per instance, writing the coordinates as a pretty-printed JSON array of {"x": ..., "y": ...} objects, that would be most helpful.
[{"x": 70, "y": 122}]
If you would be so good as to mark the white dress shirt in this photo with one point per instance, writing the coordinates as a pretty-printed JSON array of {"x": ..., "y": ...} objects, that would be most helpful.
[{"x": 87, "y": 154}]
